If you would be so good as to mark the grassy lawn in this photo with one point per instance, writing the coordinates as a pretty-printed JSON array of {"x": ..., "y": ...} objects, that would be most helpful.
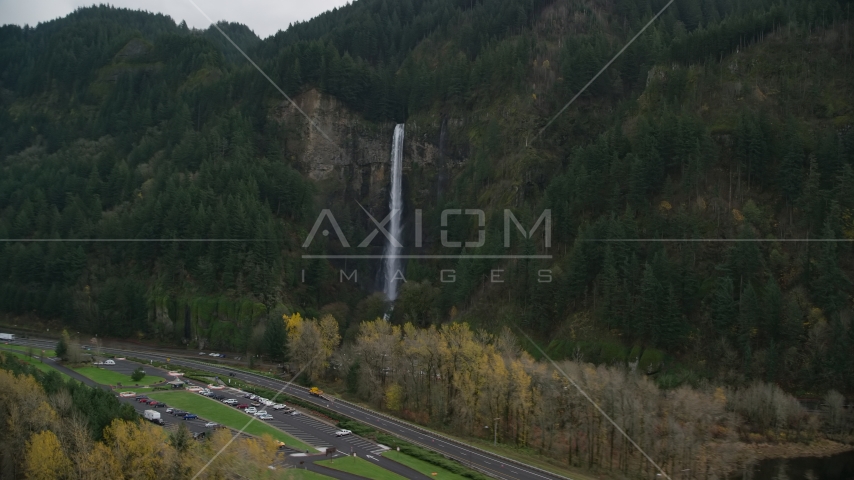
[
  {"x": 299, "y": 474},
  {"x": 357, "y": 466},
  {"x": 109, "y": 377},
  {"x": 225, "y": 415},
  {"x": 24, "y": 348},
  {"x": 36, "y": 363},
  {"x": 421, "y": 466}
]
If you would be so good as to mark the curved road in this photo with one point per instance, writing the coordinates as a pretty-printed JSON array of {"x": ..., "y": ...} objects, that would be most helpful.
[{"x": 488, "y": 463}]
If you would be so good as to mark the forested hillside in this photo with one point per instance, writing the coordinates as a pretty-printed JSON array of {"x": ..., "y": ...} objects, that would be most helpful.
[{"x": 726, "y": 120}]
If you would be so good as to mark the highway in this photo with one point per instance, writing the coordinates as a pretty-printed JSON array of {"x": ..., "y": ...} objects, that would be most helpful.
[{"x": 486, "y": 462}]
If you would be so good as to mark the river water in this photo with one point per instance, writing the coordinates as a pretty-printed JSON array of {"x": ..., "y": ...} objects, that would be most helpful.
[{"x": 836, "y": 467}]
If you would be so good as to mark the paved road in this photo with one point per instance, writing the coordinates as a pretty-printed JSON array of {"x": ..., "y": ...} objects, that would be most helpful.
[{"x": 487, "y": 462}]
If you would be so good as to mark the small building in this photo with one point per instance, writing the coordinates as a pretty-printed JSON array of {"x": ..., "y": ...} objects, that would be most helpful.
[{"x": 177, "y": 383}]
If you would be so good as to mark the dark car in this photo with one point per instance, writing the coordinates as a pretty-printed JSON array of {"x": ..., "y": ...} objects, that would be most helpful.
[
  {"x": 139, "y": 397},
  {"x": 142, "y": 399},
  {"x": 231, "y": 374},
  {"x": 242, "y": 406},
  {"x": 199, "y": 435},
  {"x": 190, "y": 416},
  {"x": 159, "y": 405},
  {"x": 178, "y": 413}
]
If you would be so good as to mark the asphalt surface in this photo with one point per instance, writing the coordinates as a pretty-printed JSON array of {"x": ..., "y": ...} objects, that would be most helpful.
[{"x": 488, "y": 463}]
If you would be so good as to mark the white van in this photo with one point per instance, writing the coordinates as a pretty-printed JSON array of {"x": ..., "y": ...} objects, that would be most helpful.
[{"x": 109, "y": 362}]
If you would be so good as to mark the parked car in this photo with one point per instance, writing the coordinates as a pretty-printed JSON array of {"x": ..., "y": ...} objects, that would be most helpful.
[
  {"x": 343, "y": 433},
  {"x": 199, "y": 435},
  {"x": 178, "y": 413},
  {"x": 159, "y": 405},
  {"x": 256, "y": 404},
  {"x": 251, "y": 410},
  {"x": 211, "y": 424},
  {"x": 142, "y": 399},
  {"x": 190, "y": 416},
  {"x": 229, "y": 401},
  {"x": 261, "y": 412},
  {"x": 152, "y": 402},
  {"x": 279, "y": 406},
  {"x": 253, "y": 396},
  {"x": 294, "y": 413},
  {"x": 265, "y": 417},
  {"x": 242, "y": 406}
]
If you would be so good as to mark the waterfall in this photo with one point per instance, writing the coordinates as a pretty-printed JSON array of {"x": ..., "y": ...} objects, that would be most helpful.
[{"x": 395, "y": 203}]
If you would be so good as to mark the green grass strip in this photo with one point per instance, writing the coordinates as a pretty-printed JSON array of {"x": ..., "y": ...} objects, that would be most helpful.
[
  {"x": 109, "y": 377},
  {"x": 358, "y": 466},
  {"x": 300, "y": 474},
  {"x": 44, "y": 367},
  {"x": 426, "y": 468},
  {"x": 225, "y": 415},
  {"x": 35, "y": 350}
]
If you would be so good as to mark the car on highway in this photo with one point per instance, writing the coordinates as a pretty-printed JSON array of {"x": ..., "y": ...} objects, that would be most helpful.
[
  {"x": 343, "y": 433},
  {"x": 211, "y": 424},
  {"x": 251, "y": 410},
  {"x": 265, "y": 417},
  {"x": 279, "y": 406},
  {"x": 190, "y": 416}
]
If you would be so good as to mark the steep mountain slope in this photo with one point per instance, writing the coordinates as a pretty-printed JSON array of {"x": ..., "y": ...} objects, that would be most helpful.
[{"x": 725, "y": 120}]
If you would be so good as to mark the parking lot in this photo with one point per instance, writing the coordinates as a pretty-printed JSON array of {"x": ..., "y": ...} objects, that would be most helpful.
[{"x": 312, "y": 431}]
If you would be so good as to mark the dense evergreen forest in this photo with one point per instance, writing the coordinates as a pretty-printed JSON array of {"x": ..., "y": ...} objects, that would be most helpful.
[{"x": 725, "y": 120}]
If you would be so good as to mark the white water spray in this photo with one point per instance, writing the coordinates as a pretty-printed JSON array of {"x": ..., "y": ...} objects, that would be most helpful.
[{"x": 393, "y": 273}]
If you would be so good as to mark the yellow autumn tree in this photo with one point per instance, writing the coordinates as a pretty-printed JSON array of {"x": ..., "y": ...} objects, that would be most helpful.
[
  {"x": 292, "y": 323},
  {"x": 138, "y": 447},
  {"x": 394, "y": 397},
  {"x": 100, "y": 464},
  {"x": 45, "y": 459}
]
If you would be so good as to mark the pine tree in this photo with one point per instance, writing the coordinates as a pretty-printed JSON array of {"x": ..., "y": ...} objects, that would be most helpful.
[
  {"x": 724, "y": 308},
  {"x": 831, "y": 286}
]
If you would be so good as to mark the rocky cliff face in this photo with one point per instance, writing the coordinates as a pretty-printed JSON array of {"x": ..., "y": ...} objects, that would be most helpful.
[{"x": 357, "y": 152}]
